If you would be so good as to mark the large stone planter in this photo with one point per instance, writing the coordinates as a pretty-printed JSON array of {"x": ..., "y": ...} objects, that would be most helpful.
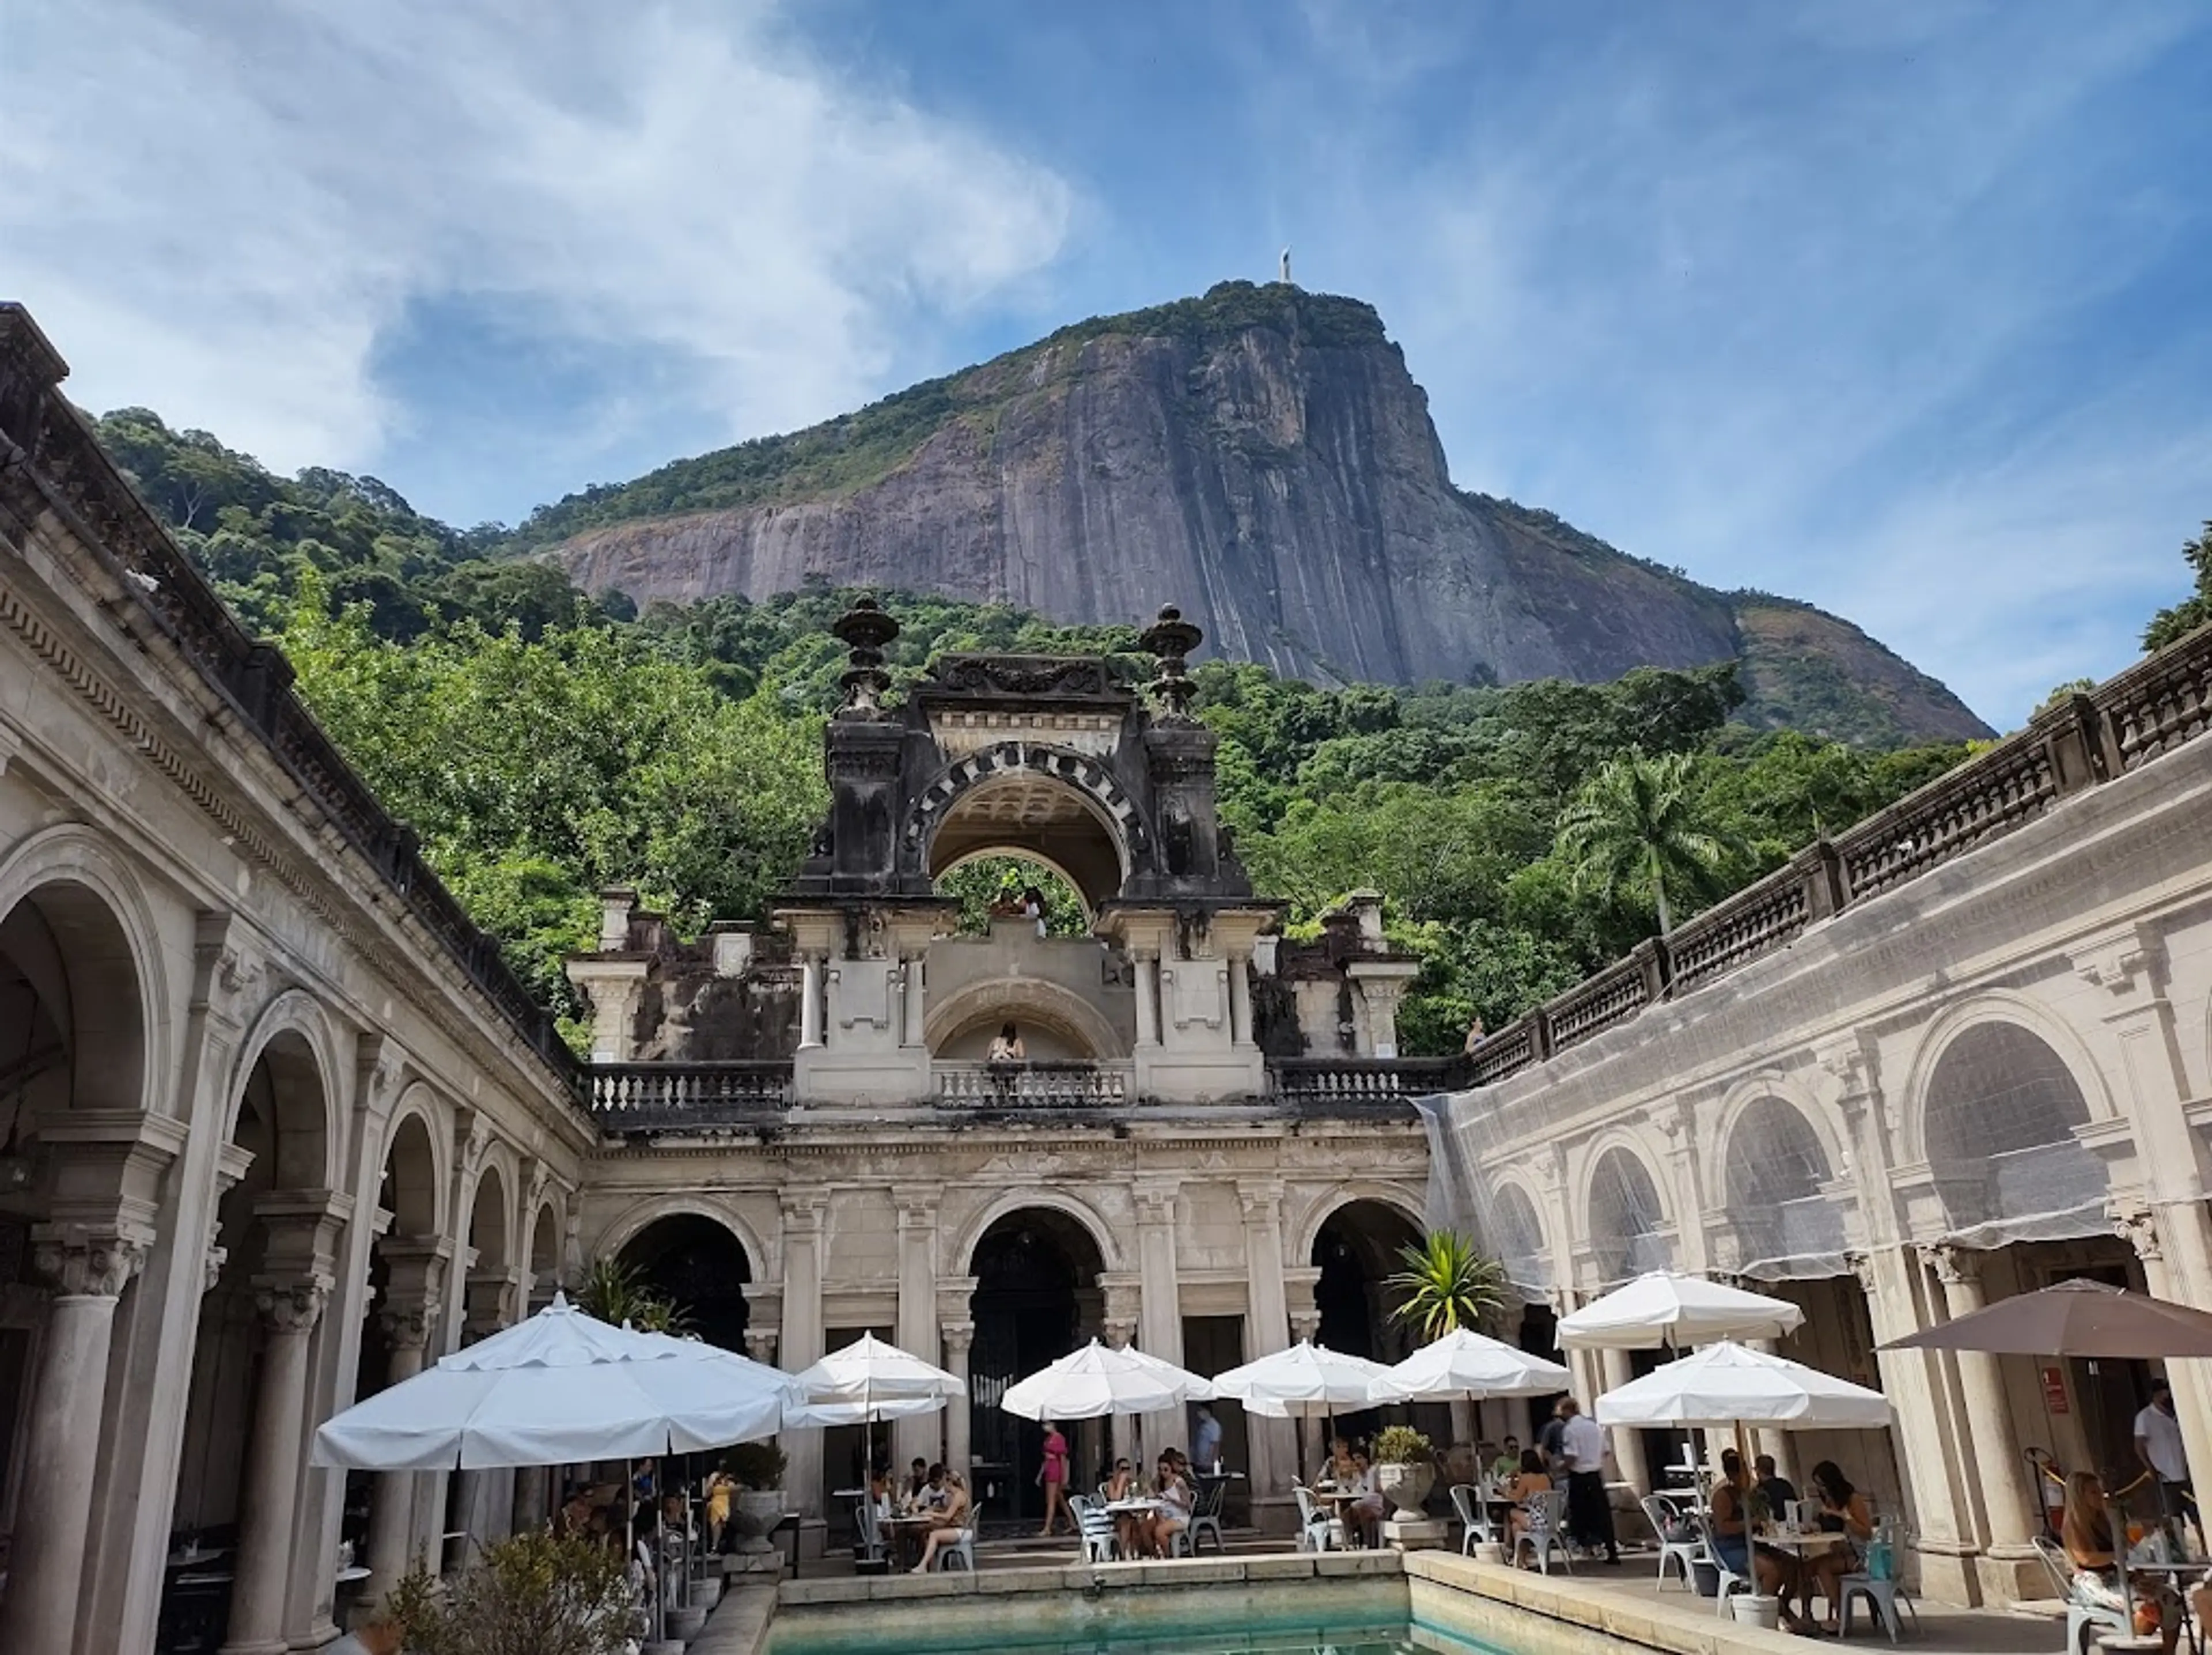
[
  {"x": 756, "y": 1513},
  {"x": 1405, "y": 1487}
]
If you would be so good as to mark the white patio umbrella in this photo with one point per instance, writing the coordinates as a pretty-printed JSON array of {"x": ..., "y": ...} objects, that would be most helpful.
[
  {"x": 1466, "y": 1366},
  {"x": 1099, "y": 1379},
  {"x": 869, "y": 1380},
  {"x": 1665, "y": 1308},
  {"x": 1728, "y": 1385},
  {"x": 1306, "y": 1381},
  {"x": 557, "y": 1388}
]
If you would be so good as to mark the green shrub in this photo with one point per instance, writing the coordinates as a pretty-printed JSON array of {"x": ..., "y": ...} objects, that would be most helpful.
[{"x": 1401, "y": 1445}]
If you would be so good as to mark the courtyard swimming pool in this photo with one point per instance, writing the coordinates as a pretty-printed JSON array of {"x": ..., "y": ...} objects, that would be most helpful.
[{"x": 1357, "y": 1616}]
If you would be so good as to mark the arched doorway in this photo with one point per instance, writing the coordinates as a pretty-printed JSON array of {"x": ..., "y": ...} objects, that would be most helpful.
[
  {"x": 1357, "y": 1250},
  {"x": 72, "y": 1038},
  {"x": 698, "y": 1266},
  {"x": 1035, "y": 1299},
  {"x": 1025, "y": 809},
  {"x": 251, "y": 1352}
]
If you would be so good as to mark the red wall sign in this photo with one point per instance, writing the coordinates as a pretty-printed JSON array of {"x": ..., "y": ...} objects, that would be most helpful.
[{"x": 2054, "y": 1390}]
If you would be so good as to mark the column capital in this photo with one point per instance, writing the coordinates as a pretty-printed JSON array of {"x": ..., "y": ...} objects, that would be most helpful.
[
  {"x": 959, "y": 1337},
  {"x": 491, "y": 1300},
  {"x": 293, "y": 1305},
  {"x": 2138, "y": 1227},
  {"x": 1954, "y": 1266},
  {"x": 1119, "y": 1331},
  {"x": 414, "y": 1296},
  {"x": 1261, "y": 1200},
  {"x": 803, "y": 1210},
  {"x": 1156, "y": 1200},
  {"x": 760, "y": 1345},
  {"x": 918, "y": 1205},
  {"x": 79, "y": 1261},
  {"x": 1305, "y": 1324},
  {"x": 1864, "y": 1268}
]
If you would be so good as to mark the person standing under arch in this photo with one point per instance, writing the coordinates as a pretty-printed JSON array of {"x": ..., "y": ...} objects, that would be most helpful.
[{"x": 1051, "y": 1477}]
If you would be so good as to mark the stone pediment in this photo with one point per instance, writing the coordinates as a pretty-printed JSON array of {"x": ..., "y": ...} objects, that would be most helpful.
[{"x": 957, "y": 679}]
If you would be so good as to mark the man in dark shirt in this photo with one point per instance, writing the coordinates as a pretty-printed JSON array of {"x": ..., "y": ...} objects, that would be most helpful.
[{"x": 1777, "y": 1489}]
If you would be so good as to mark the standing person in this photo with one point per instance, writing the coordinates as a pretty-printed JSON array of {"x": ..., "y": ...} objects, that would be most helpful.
[
  {"x": 1053, "y": 1476},
  {"x": 1550, "y": 1439},
  {"x": 1206, "y": 1440},
  {"x": 1476, "y": 1034},
  {"x": 720, "y": 1486},
  {"x": 1590, "y": 1515},
  {"x": 2158, "y": 1445}
]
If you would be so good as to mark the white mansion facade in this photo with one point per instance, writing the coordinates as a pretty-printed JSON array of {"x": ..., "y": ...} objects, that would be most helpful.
[{"x": 277, "y": 1127}]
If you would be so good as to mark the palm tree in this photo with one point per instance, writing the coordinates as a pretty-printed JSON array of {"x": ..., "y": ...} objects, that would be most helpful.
[
  {"x": 1640, "y": 825},
  {"x": 1447, "y": 1284},
  {"x": 615, "y": 1292}
]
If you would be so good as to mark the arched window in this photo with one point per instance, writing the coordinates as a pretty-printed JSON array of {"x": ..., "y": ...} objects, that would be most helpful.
[
  {"x": 1625, "y": 1218},
  {"x": 1776, "y": 1167},
  {"x": 2001, "y": 1111},
  {"x": 1517, "y": 1238}
]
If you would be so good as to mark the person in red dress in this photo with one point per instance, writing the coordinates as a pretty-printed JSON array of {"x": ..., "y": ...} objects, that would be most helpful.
[{"x": 1053, "y": 1476}]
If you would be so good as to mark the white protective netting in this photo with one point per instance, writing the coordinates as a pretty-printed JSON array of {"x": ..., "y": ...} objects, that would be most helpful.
[
  {"x": 2003, "y": 1114},
  {"x": 1775, "y": 1168}
]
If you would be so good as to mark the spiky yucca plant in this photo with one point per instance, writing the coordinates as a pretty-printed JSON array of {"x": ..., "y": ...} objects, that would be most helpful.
[
  {"x": 1446, "y": 1284},
  {"x": 615, "y": 1292}
]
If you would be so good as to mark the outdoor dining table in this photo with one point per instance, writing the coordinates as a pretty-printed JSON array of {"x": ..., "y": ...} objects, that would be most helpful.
[{"x": 2175, "y": 1573}]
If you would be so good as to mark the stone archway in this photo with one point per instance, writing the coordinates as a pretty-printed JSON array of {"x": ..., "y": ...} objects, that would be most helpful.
[
  {"x": 1774, "y": 1168},
  {"x": 1997, "y": 1125},
  {"x": 698, "y": 1265},
  {"x": 1064, "y": 808},
  {"x": 1036, "y": 1272}
]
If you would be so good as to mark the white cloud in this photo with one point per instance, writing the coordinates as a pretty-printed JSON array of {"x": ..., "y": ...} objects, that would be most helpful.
[{"x": 220, "y": 210}]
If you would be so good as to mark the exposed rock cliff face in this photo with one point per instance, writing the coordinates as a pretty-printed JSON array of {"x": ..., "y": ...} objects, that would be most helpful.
[{"x": 1261, "y": 457}]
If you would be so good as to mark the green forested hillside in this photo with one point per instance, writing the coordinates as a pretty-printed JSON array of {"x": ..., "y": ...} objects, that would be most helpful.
[{"x": 545, "y": 745}]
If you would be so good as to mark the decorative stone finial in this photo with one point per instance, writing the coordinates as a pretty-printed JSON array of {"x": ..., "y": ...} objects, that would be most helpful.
[
  {"x": 1170, "y": 638},
  {"x": 863, "y": 629}
]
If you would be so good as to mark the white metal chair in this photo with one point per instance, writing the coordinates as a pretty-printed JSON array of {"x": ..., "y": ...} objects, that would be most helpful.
[
  {"x": 1678, "y": 1536},
  {"x": 1318, "y": 1530},
  {"x": 2081, "y": 1616},
  {"x": 1546, "y": 1532},
  {"x": 1881, "y": 1597},
  {"x": 1466, "y": 1500},
  {"x": 1096, "y": 1528},
  {"x": 962, "y": 1550},
  {"x": 1206, "y": 1519}
]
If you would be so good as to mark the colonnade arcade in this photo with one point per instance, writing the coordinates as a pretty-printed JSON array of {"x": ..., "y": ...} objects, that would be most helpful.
[{"x": 249, "y": 1279}]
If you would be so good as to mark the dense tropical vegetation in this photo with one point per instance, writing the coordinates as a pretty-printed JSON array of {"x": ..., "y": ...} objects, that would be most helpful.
[{"x": 544, "y": 745}]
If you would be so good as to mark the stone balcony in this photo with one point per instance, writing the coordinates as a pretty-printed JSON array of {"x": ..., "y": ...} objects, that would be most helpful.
[{"x": 652, "y": 1099}]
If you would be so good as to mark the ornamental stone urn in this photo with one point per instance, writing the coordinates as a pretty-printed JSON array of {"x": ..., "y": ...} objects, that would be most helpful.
[{"x": 1405, "y": 1487}]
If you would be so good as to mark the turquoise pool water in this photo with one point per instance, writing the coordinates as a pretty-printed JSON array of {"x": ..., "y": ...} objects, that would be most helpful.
[{"x": 1153, "y": 1638}]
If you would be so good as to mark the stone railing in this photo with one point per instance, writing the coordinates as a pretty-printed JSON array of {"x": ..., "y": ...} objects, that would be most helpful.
[
  {"x": 2077, "y": 743},
  {"x": 674, "y": 1097},
  {"x": 1043, "y": 1083},
  {"x": 1364, "y": 1080},
  {"x": 57, "y": 466}
]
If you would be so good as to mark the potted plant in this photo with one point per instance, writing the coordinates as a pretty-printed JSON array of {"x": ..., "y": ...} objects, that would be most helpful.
[
  {"x": 1405, "y": 1467},
  {"x": 537, "y": 1593},
  {"x": 757, "y": 1469}
]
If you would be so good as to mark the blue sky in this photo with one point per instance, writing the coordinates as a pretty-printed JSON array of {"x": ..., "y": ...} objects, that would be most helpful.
[{"x": 1902, "y": 309}]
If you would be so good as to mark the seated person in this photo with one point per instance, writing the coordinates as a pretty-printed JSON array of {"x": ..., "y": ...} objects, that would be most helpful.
[
  {"x": 936, "y": 1490},
  {"x": 1120, "y": 1485},
  {"x": 952, "y": 1517},
  {"x": 1156, "y": 1532},
  {"x": 2087, "y": 1533},
  {"x": 1505, "y": 1465},
  {"x": 1844, "y": 1511},
  {"x": 1365, "y": 1515},
  {"x": 1775, "y": 1489},
  {"x": 1339, "y": 1466},
  {"x": 1727, "y": 1520},
  {"x": 917, "y": 1479},
  {"x": 1529, "y": 1481}
]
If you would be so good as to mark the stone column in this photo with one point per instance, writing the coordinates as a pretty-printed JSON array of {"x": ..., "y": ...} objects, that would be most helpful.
[
  {"x": 1627, "y": 1442},
  {"x": 810, "y": 1000},
  {"x": 491, "y": 1301},
  {"x": 289, "y": 1308},
  {"x": 2010, "y": 1509},
  {"x": 88, "y": 1270},
  {"x": 2145, "y": 1229},
  {"x": 1159, "y": 1313},
  {"x": 1148, "y": 997},
  {"x": 918, "y": 1321},
  {"x": 413, "y": 1302},
  {"x": 959, "y": 1338},
  {"x": 1240, "y": 1000},
  {"x": 917, "y": 998},
  {"x": 1272, "y": 1443},
  {"x": 800, "y": 1346}
]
